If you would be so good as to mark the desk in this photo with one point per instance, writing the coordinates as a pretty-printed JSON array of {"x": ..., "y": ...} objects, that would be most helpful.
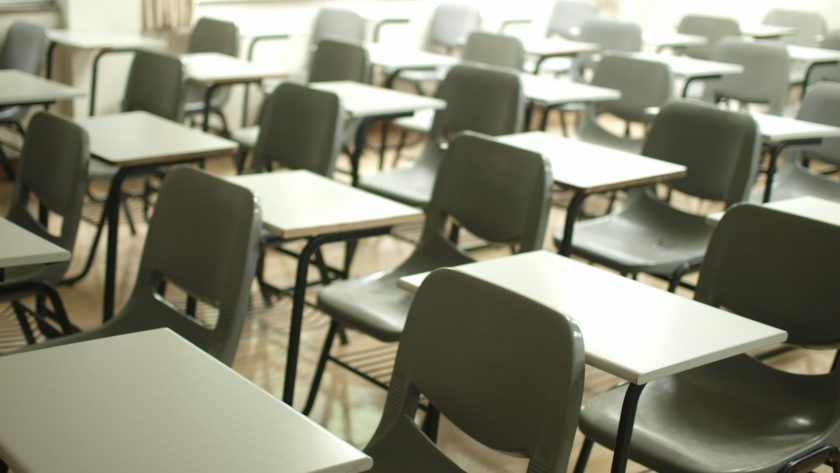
[
  {"x": 806, "y": 206},
  {"x": 662, "y": 39},
  {"x": 691, "y": 69},
  {"x": 103, "y": 43},
  {"x": 548, "y": 92},
  {"x": 152, "y": 401},
  {"x": 638, "y": 333},
  {"x": 18, "y": 88},
  {"x": 767, "y": 31},
  {"x": 586, "y": 168},
  {"x": 302, "y": 204},
  {"x": 369, "y": 104},
  {"x": 214, "y": 69},
  {"x": 545, "y": 48},
  {"x": 136, "y": 142},
  {"x": 813, "y": 57}
]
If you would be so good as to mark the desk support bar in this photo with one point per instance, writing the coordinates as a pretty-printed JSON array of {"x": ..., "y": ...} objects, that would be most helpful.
[
  {"x": 387, "y": 21},
  {"x": 774, "y": 159},
  {"x": 689, "y": 80},
  {"x": 625, "y": 427},
  {"x": 251, "y": 47},
  {"x": 571, "y": 216}
]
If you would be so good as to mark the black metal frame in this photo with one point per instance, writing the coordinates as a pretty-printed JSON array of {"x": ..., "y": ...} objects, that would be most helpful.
[
  {"x": 775, "y": 152},
  {"x": 810, "y": 70},
  {"x": 250, "y": 57},
  {"x": 689, "y": 80},
  {"x": 572, "y": 212}
]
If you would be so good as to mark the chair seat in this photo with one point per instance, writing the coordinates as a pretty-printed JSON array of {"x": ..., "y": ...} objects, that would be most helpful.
[
  {"x": 643, "y": 236},
  {"x": 421, "y": 121},
  {"x": 247, "y": 137},
  {"x": 735, "y": 415},
  {"x": 410, "y": 185},
  {"x": 797, "y": 181}
]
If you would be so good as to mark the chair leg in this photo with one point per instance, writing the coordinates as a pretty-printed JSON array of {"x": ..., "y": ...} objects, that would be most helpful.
[
  {"x": 3, "y": 467},
  {"x": 319, "y": 371},
  {"x": 89, "y": 263},
  {"x": 431, "y": 423},
  {"x": 583, "y": 457},
  {"x": 322, "y": 266}
]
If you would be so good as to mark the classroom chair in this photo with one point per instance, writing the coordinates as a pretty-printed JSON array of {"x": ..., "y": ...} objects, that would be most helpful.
[
  {"x": 612, "y": 35},
  {"x": 720, "y": 149},
  {"x": 203, "y": 239},
  {"x": 765, "y": 77},
  {"x": 713, "y": 28},
  {"x": 337, "y": 25},
  {"x": 53, "y": 170},
  {"x": 483, "y": 100},
  {"x": 739, "y": 415},
  {"x": 516, "y": 388},
  {"x": 643, "y": 83},
  {"x": 565, "y": 20},
  {"x": 499, "y": 193},
  {"x": 827, "y": 73},
  {"x": 821, "y": 105},
  {"x": 810, "y": 26},
  {"x": 24, "y": 49},
  {"x": 211, "y": 36}
]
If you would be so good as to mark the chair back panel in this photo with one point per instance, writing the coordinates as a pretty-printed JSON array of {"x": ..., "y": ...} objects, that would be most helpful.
[
  {"x": 452, "y": 23},
  {"x": 214, "y": 36},
  {"x": 712, "y": 27},
  {"x": 506, "y": 370},
  {"x": 776, "y": 268},
  {"x": 157, "y": 84},
  {"x": 338, "y": 60},
  {"x": 809, "y": 26},
  {"x": 340, "y": 25},
  {"x": 720, "y": 148},
  {"x": 495, "y": 50},
  {"x": 300, "y": 129},
  {"x": 568, "y": 16},
  {"x": 24, "y": 48},
  {"x": 643, "y": 84},
  {"x": 822, "y": 105}
]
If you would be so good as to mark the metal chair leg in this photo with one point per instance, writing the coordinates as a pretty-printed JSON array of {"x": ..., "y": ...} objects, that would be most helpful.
[
  {"x": 431, "y": 423},
  {"x": 583, "y": 457},
  {"x": 319, "y": 371}
]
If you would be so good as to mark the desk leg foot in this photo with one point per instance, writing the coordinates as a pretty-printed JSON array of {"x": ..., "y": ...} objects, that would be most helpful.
[{"x": 625, "y": 427}]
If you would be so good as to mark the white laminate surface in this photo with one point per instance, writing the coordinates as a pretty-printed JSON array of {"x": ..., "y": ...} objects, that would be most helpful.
[
  {"x": 391, "y": 57},
  {"x": 548, "y": 90},
  {"x": 813, "y": 55},
  {"x": 806, "y": 206},
  {"x": 20, "y": 247},
  {"x": 138, "y": 138},
  {"x": 151, "y": 401},
  {"x": 22, "y": 88},
  {"x": 671, "y": 39},
  {"x": 689, "y": 67},
  {"x": 766, "y": 31},
  {"x": 102, "y": 40},
  {"x": 638, "y": 333},
  {"x": 590, "y": 168},
  {"x": 774, "y": 128},
  {"x": 300, "y": 203},
  {"x": 555, "y": 47},
  {"x": 363, "y": 100},
  {"x": 215, "y": 68}
]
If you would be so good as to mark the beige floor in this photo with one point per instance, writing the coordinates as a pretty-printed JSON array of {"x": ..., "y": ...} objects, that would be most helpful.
[{"x": 348, "y": 406}]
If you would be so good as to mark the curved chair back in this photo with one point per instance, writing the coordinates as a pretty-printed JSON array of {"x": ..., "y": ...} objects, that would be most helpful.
[
  {"x": 809, "y": 26},
  {"x": 786, "y": 281},
  {"x": 341, "y": 25},
  {"x": 214, "y": 36},
  {"x": 494, "y": 50},
  {"x": 827, "y": 73},
  {"x": 497, "y": 192},
  {"x": 568, "y": 16},
  {"x": 157, "y": 83},
  {"x": 54, "y": 170},
  {"x": 643, "y": 84},
  {"x": 339, "y": 60},
  {"x": 712, "y": 27},
  {"x": 821, "y": 105},
  {"x": 24, "y": 48},
  {"x": 300, "y": 129},
  {"x": 720, "y": 148},
  {"x": 612, "y": 35},
  {"x": 765, "y": 78},
  {"x": 451, "y": 25},
  {"x": 506, "y": 370}
]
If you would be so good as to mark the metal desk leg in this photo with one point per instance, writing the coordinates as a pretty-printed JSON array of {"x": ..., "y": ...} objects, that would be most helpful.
[
  {"x": 625, "y": 427},
  {"x": 251, "y": 47},
  {"x": 359, "y": 148},
  {"x": 299, "y": 299},
  {"x": 93, "y": 73},
  {"x": 568, "y": 229},
  {"x": 207, "y": 99},
  {"x": 774, "y": 159},
  {"x": 50, "y": 54},
  {"x": 112, "y": 209}
]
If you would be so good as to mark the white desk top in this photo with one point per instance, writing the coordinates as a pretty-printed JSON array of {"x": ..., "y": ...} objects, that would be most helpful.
[
  {"x": 555, "y": 47},
  {"x": 22, "y": 88},
  {"x": 300, "y": 203},
  {"x": 392, "y": 57},
  {"x": 102, "y": 40},
  {"x": 766, "y": 31},
  {"x": 638, "y": 333},
  {"x": 775, "y": 128},
  {"x": 813, "y": 55},
  {"x": 589, "y": 168},
  {"x": 139, "y": 138},
  {"x": 363, "y": 100},
  {"x": 151, "y": 401},
  {"x": 20, "y": 247},
  {"x": 689, "y": 67},
  {"x": 216, "y": 68},
  {"x": 806, "y": 206},
  {"x": 671, "y": 39},
  {"x": 548, "y": 90}
]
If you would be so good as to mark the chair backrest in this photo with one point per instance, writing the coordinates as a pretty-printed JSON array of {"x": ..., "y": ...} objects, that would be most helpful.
[
  {"x": 497, "y": 192},
  {"x": 506, "y": 370},
  {"x": 54, "y": 170},
  {"x": 567, "y": 17},
  {"x": 712, "y": 27},
  {"x": 765, "y": 78},
  {"x": 341, "y": 25},
  {"x": 612, "y": 35},
  {"x": 157, "y": 84},
  {"x": 643, "y": 84},
  {"x": 494, "y": 50},
  {"x": 300, "y": 128},
  {"x": 204, "y": 238},
  {"x": 24, "y": 48},
  {"x": 720, "y": 148},
  {"x": 776, "y": 268},
  {"x": 822, "y": 105},
  {"x": 809, "y": 26},
  {"x": 339, "y": 60},
  {"x": 451, "y": 24},
  {"x": 215, "y": 36},
  {"x": 827, "y": 73}
]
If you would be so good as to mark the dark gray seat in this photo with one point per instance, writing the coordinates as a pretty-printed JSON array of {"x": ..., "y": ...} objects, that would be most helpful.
[
  {"x": 721, "y": 151},
  {"x": 480, "y": 383},
  {"x": 488, "y": 101},
  {"x": 203, "y": 238},
  {"x": 500, "y": 193},
  {"x": 713, "y": 28},
  {"x": 739, "y": 415}
]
